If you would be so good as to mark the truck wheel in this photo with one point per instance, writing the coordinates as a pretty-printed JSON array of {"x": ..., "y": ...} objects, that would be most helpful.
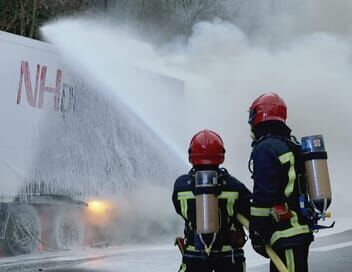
[
  {"x": 23, "y": 230},
  {"x": 68, "y": 230}
]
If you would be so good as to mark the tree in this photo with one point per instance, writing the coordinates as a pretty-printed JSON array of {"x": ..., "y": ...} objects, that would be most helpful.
[
  {"x": 174, "y": 15},
  {"x": 192, "y": 11},
  {"x": 24, "y": 17},
  {"x": 171, "y": 17}
]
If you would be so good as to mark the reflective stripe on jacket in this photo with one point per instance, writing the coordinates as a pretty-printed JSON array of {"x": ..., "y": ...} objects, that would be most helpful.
[
  {"x": 233, "y": 197},
  {"x": 276, "y": 169}
]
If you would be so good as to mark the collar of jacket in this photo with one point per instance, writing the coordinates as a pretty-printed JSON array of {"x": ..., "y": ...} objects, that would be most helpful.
[
  {"x": 222, "y": 173},
  {"x": 270, "y": 128}
]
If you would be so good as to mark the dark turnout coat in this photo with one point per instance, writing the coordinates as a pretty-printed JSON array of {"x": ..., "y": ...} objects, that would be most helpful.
[
  {"x": 277, "y": 168},
  {"x": 233, "y": 198}
]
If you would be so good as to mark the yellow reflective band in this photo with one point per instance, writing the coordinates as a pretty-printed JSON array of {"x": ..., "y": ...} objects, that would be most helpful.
[
  {"x": 183, "y": 197},
  {"x": 290, "y": 260},
  {"x": 285, "y": 158},
  {"x": 227, "y": 195},
  {"x": 225, "y": 248},
  {"x": 294, "y": 219},
  {"x": 191, "y": 248},
  {"x": 289, "y": 233},
  {"x": 183, "y": 268},
  {"x": 260, "y": 211},
  {"x": 296, "y": 229},
  {"x": 231, "y": 198},
  {"x": 184, "y": 208},
  {"x": 229, "y": 206}
]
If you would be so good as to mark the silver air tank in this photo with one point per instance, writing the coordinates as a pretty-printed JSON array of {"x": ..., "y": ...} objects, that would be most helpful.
[
  {"x": 318, "y": 182},
  {"x": 207, "y": 206}
]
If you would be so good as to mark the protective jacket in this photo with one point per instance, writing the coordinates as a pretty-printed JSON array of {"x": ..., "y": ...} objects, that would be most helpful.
[
  {"x": 277, "y": 170},
  {"x": 233, "y": 197}
]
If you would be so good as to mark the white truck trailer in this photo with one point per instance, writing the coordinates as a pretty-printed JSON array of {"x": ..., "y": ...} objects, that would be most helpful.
[{"x": 64, "y": 143}]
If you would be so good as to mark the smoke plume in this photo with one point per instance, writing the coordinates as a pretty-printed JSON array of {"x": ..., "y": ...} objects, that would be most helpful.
[{"x": 299, "y": 49}]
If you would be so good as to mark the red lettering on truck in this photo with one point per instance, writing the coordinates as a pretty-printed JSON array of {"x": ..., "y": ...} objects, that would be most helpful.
[{"x": 40, "y": 85}]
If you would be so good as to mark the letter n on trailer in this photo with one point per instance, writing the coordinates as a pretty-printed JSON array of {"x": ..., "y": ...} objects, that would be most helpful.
[{"x": 40, "y": 86}]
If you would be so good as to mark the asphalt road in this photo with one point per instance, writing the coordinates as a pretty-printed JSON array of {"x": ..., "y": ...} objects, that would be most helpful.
[{"x": 329, "y": 253}]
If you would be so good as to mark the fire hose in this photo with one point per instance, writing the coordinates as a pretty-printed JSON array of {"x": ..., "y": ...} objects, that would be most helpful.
[{"x": 271, "y": 253}]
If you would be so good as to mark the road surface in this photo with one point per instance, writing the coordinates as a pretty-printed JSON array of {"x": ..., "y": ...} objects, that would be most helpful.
[{"x": 329, "y": 253}]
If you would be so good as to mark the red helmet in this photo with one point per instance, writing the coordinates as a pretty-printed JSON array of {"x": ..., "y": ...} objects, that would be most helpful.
[
  {"x": 267, "y": 107},
  {"x": 206, "y": 148}
]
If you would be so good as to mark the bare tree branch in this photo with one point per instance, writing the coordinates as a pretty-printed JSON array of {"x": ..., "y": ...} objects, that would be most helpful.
[
  {"x": 172, "y": 16},
  {"x": 34, "y": 18},
  {"x": 22, "y": 19},
  {"x": 12, "y": 22}
]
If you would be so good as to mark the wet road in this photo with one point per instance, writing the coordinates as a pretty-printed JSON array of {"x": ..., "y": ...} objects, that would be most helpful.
[
  {"x": 330, "y": 253},
  {"x": 327, "y": 254}
]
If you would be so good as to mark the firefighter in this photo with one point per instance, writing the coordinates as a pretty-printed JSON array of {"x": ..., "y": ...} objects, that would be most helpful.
[
  {"x": 277, "y": 168},
  {"x": 208, "y": 199}
]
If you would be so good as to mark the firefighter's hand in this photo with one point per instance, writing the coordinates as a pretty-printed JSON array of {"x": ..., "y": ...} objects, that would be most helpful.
[{"x": 258, "y": 243}]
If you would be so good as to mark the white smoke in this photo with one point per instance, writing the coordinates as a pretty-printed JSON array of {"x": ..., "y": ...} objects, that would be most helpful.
[
  {"x": 281, "y": 21},
  {"x": 311, "y": 73},
  {"x": 299, "y": 49},
  {"x": 146, "y": 214}
]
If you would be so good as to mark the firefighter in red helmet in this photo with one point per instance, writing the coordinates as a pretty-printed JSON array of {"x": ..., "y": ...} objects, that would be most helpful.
[
  {"x": 277, "y": 167},
  {"x": 208, "y": 199}
]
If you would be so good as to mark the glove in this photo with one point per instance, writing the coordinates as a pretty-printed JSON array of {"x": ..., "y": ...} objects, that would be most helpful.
[{"x": 258, "y": 243}]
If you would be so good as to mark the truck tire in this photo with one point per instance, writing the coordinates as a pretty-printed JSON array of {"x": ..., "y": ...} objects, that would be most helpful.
[
  {"x": 68, "y": 230},
  {"x": 23, "y": 230}
]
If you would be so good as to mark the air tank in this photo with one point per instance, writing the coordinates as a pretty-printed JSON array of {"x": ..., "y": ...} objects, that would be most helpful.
[
  {"x": 317, "y": 174},
  {"x": 207, "y": 206}
]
